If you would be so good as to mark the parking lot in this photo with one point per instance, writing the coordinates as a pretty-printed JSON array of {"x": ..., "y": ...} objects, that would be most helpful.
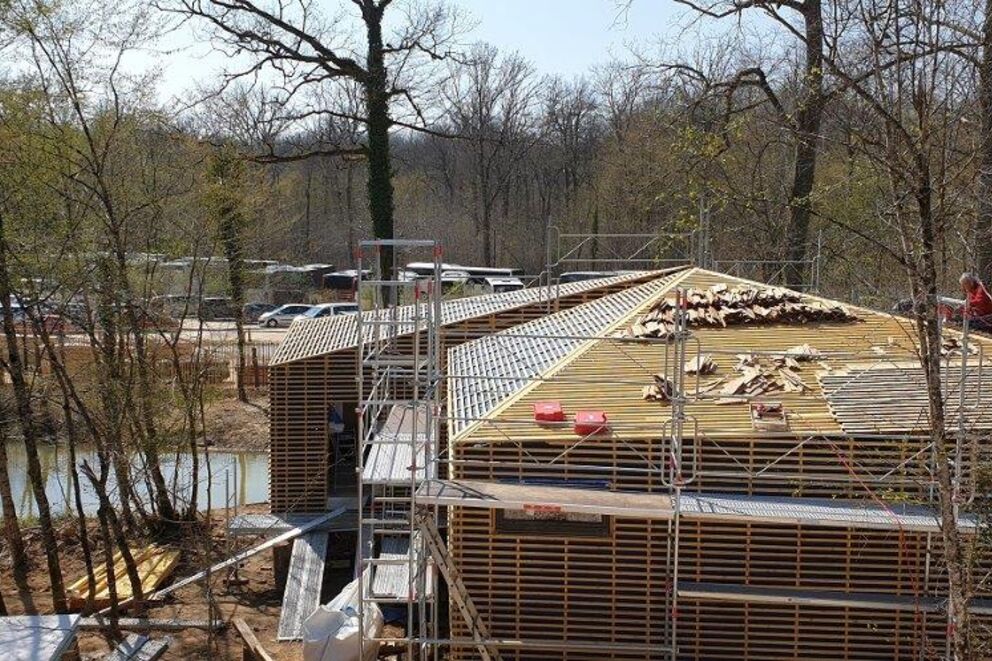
[{"x": 222, "y": 332}]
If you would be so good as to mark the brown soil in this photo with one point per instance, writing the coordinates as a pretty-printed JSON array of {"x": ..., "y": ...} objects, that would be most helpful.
[
  {"x": 258, "y": 602},
  {"x": 234, "y": 425}
]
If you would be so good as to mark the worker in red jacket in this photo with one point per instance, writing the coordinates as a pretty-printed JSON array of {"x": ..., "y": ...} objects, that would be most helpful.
[{"x": 978, "y": 303}]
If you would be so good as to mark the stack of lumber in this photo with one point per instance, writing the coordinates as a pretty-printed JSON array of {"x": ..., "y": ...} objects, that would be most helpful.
[
  {"x": 756, "y": 381},
  {"x": 791, "y": 358},
  {"x": 723, "y": 306},
  {"x": 154, "y": 565},
  {"x": 757, "y": 378}
]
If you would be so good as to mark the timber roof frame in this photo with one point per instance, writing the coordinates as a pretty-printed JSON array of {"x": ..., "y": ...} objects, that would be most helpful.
[
  {"x": 484, "y": 372},
  {"x": 566, "y": 353}
]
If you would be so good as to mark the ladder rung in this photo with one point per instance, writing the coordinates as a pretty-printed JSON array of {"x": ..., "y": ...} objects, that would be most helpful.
[{"x": 386, "y": 562}]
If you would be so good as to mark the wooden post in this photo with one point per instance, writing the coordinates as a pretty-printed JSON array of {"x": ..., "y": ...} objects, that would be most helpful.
[
  {"x": 251, "y": 649},
  {"x": 254, "y": 366}
]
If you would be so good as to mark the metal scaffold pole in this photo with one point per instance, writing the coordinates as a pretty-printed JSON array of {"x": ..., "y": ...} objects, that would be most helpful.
[{"x": 399, "y": 379}]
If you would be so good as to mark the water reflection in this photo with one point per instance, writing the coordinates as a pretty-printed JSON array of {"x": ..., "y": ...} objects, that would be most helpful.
[{"x": 245, "y": 474}]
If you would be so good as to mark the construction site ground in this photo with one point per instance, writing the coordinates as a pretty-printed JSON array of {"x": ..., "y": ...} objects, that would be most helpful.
[{"x": 258, "y": 601}]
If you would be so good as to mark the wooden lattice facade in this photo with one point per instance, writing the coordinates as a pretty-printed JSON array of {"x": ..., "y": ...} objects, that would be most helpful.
[{"x": 316, "y": 369}]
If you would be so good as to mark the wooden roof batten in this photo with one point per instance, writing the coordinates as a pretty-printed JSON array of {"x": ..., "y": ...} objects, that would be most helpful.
[
  {"x": 309, "y": 338},
  {"x": 878, "y": 338},
  {"x": 482, "y": 373}
]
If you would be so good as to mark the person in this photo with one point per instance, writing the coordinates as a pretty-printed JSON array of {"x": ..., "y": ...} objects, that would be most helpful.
[{"x": 978, "y": 303}]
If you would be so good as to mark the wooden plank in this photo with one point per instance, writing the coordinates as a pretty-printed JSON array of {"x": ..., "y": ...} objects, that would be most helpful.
[
  {"x": 154, "y": 564},
  {"x": 139, "y": 648},
  {"x": 36, "y": 637},
  {"x": 302, "y": 594},
  {"x": 243, "y": 555},
  {"x": 97, "y": 622},
  {"x": 127, "y": 648},
  {"x": 252, "y": 648},
  {"x": 153, "y": 649},
  {"x": 758, "y": 595},
  {"x": 493, "y": 495}
]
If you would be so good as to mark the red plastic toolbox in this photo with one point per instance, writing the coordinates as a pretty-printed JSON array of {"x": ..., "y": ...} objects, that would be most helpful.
[
  {"x": 590, "y": 422},
  {"x": 549, "y": 412}
]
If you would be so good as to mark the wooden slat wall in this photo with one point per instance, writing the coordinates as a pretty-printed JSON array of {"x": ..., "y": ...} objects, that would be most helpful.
[
  {"x": 616, "y": 590},
  {"x": 612, "y": 590},
  {"x": 752, "y": 632},
  {"x": 733, "y": 466},
  {"x": 301, "y": 392},
  {"x": 715, "y": 631}
]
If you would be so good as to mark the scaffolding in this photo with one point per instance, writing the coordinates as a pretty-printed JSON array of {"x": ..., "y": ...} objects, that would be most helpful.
[
  {"x": 399, "y": 376},
  {"x": 421, "y": 500},
  {"x": 596, "y": 252}
]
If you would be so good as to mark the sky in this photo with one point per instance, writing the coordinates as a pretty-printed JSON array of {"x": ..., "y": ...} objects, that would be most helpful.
[{"x": 566, "y": 37}]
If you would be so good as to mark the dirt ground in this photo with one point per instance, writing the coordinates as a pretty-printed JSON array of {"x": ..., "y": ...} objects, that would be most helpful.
[
  {"x": 258, "y": 601},
  {"x": 233, "y": 425}
]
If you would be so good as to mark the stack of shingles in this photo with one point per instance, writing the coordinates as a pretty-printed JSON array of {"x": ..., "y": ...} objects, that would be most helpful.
[
  {"x": 952, "y": 346},
  {"x": 659, "y": 391},
  {"x": 758, "y": 379},
  {"x": 723, "y": 306},
  {"x": 662, "y": 388}
]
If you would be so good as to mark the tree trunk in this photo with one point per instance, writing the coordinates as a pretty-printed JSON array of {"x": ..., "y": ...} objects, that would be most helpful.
[
  {"x": 349, "y": 206},
  {"x": 110, "y": 524},
  {"x": 808, "y": 119},
  {"x": 12, "y": 533},
  {"x": 380, "y": 185},
  {"x": 144, "y": 416},
  {"x": 22, "y": 399},
  {"x": 924, "y": 285},
  {"x": 307, "y": 229},
  {"x": 77, "y": 494},
  {"x": 236, "y": 288},
  {"x": 983, "y": 238}
]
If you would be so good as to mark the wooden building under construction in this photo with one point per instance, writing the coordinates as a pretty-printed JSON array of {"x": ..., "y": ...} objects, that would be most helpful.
[
  {"x": 784, "y": 510},
  {"x": 313, "y": 389}
]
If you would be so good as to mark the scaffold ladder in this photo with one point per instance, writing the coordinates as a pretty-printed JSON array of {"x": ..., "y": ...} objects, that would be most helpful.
[
  {"x": 398, "y": 371},
  {"x": 456, "y": 588}
]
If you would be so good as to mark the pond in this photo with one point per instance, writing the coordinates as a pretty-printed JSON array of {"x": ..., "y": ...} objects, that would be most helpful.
[{"x": 249, "y": 470}]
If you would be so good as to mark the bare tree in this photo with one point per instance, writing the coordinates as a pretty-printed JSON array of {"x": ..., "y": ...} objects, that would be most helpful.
[
  {"x": 803, "y": 118},
  {"x": 306, "y": 52},
  {"x": 225, "y": 198},
  {"x": 903, "y": 83},
  {"x": 491, "y": 107}
]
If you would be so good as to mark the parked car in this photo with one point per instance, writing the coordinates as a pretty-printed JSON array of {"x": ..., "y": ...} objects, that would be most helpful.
[
  {"x": 282, "y": 315},
  {"x": 217, "y": 308},
  {"x": 499, "y": 285},
  {"x": 330, "y": 310},
  {"x": 252, "y": 311}
]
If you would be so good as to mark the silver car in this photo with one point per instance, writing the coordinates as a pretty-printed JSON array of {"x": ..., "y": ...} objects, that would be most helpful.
[
  {"x": 283, "y": 315},
  {"x": 330, "y": 310}
]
